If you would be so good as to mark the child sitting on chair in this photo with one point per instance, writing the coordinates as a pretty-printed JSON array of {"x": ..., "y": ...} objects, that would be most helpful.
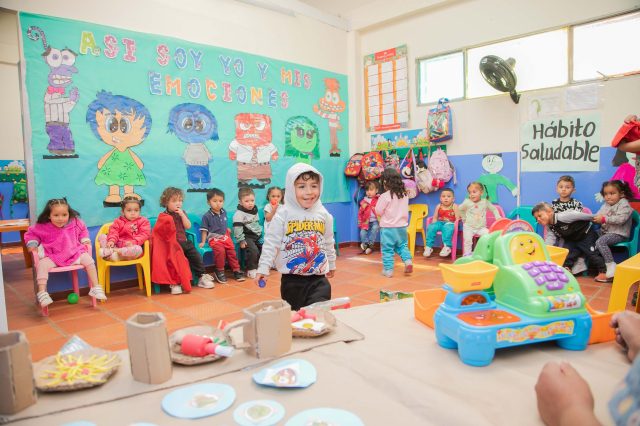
[
  {"x": 65, "y": 240},
  {"x": 126, "y": 234},
  {"x": 247, "y": 229},
  {"x": 473, "y": 212},
  {"x": 444, "y": 218}
]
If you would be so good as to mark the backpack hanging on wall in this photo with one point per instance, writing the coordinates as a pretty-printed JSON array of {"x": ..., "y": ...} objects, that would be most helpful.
[
  {"x": 424, "y": 179},
  {"x": 439, "y": 122},
  {"x": 372, "y": 165},
  {"x": 392, "y": 160},
  {"x": 408, "y": 173},
  {"x": 441, "y": 169},
  {"x": 354, "y": 165}
]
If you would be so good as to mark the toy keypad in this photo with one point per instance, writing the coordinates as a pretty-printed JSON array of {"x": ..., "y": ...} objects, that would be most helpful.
[{"x": 546, "y": 273}]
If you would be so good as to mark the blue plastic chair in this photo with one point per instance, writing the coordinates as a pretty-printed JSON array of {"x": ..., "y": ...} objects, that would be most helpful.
[{"x": 634, "y": 238}]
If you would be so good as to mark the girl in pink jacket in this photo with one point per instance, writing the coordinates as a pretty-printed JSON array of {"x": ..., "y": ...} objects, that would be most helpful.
[
  {"x": 127, "y": 233},
  {"x": 65, "y": 241}
]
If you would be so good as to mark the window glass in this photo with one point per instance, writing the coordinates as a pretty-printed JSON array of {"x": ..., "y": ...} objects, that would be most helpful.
[{"x": 441, "y": 77}]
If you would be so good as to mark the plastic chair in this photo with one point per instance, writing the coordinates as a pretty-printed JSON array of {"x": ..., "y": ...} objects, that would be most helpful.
[
  {"x": 454, "y": 237},
  {"x": 626, "y": 275},
  {"x": 74, "y": 280},
  {"x": 634, "y": 238},
  {"x": 416, "y": 224},
  {"x": 143, "y": 264},
  {"x": 524, "y": 213},
  {"x": 194, "y": 235}
]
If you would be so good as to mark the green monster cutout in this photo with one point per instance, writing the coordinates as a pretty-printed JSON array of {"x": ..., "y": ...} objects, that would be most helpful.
[{"x": 301, "y": 139}]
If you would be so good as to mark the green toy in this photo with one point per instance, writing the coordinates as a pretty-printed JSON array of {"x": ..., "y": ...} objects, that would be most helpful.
[{"x": 72, "y": 298}]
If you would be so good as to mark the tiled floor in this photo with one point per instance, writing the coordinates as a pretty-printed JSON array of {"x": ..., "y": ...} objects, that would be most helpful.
[{"x": 358, "y": 276}]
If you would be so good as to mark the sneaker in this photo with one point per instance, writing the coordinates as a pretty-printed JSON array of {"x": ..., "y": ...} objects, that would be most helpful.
[
  {"x": 611, "y": 269},
  {"x": 206, "y": 281},
  {"x": 97, "y": 292},
  {"x": 176, "y": 289},
  {"x": 427, "y": 251},
  {"x": 387, "y": 273},
  {"x": 446, "y": 251},
  {"x": 363, "y": 246},
  {"x": 579, "y": 267},
  {"x": 252, "y": 273},
  {"x": 105, "y": 253},
  {"x": 238, "y": 276},
  {"x": 602, "y": 278},
  {"x": 44, "y": 299},
  {"x": 220, "y": 276},
  {"x": 408, "y": 268},
  {"x": 368, "y": 250}
]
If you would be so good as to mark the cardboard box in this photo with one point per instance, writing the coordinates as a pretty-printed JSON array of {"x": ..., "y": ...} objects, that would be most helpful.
[
  {"x": 17, "y": 386},
  {"x": 268, "y": 330},
  {"x": 149, "y": 350}
]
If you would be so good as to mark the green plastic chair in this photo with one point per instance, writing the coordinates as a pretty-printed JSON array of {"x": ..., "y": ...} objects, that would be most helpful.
[{"x": 634, "y": 238}]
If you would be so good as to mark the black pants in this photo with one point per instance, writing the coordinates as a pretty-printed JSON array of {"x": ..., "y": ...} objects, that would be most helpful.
[
  {"x": 585, "y": 247},
  {"x": 194, "y": 258},
  {"x": 252, "y": 253},
  {"x": 302, "y": 290}
]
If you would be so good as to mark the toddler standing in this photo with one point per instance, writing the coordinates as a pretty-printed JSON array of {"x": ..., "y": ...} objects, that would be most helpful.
[
  {"x": 274, "y": 199},
  {"x": 614, "y": 218},
  {"x": 473, "y": 212},
  {"x": 444, "y": 218},
  {"x": 393, "y": 210},
  {"x": 126, "y": 234},
  {"x": 247, "y": 229},
  {"x": 367, "y": 219},
  {"x": 65, "y": 240}
]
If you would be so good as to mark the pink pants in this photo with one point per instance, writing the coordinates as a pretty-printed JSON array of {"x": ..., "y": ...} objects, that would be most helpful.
[{"x": 45, "y": 265}]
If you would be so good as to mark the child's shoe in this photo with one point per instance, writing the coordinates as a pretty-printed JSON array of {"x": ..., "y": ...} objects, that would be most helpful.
[
  {"x": 98, "y": 292},
  {"x": 427, "y": 251},
  {"x": 252, "y": 273},
  {"x": 176, "y": 289},
  {"x": 220, "y": 276},
  {"x": 445, "y": 251},
  {"x": 602, "y": 278},
  {"x": 408, "y": 267},
  {"x": 44, "y": 299},
  {"x": 611, "y": 269},
  {"x": 106, "y": 253},
  {"x": 387, "y": 273},
  {"x": 238, "y": 276},
  {"x": 363, "y": 246},
  {"x": 579, "y": 267},
  {"x": 368, "y": 250},
  {"x": 206, "y": 281}
]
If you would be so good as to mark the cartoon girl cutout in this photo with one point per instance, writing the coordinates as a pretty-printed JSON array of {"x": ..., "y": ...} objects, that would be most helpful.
[
  {"x": 329, "y": 107},
  {"x": 122, "y": 123},
  {"x": 301, "y": 139}
]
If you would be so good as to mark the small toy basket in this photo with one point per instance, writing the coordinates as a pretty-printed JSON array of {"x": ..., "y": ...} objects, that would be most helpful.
[
  {"x": 476, "y": 275},
  {"x": 322, "y": 316}
]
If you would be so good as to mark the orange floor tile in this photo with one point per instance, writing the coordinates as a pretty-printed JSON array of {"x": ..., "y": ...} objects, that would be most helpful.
[{"x": 358, "y": 276}]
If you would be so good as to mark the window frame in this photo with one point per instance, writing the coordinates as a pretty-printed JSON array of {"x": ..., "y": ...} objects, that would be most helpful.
[{"x": 464, "y": 76}]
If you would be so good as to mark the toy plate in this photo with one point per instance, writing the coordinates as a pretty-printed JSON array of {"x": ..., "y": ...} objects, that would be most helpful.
[
  {"x": 325, "y": 416},
  {"x": 201, "y": 400},
  {"x": 290, "y": 373},
  {"x": 261, "y": 412}
]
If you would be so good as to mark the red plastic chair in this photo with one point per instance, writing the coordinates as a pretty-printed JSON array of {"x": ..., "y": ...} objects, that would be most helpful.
[
  {"x": 454, "y": 238},
  {"x": 74, "y": 280}
]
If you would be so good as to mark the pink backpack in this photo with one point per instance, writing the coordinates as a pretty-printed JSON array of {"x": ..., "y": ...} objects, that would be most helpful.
[{"x": 441, "y": 169}]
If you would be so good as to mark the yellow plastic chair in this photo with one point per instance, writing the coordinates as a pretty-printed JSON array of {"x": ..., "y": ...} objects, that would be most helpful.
[
  {"x": 626, "y": 275},
  {"x": 143, "y": 264},
  {"x": 416, "y": 224}
]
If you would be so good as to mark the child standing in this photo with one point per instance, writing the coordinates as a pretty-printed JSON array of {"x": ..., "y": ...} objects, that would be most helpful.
[
  {"x": 575, "y": 228},
  {"x": 300, "y": 239},
  {"x": 367, "y": 219},
  {"x": 171, "y": 199},
  {"x": 247, "y": 229},
  {"x": 444, "y": 218},
  {"x": 65, "y": 240},
  {"x": 614, "y": 218},
  {"x": 393, "y": 210},
  {"x": 565, "y": 187},
  {"x": 126, "y": 234},
  {"x": 215, "y": 231},
  {"x": 473, "y": 212},
  {"x": 274, "y": 200}
]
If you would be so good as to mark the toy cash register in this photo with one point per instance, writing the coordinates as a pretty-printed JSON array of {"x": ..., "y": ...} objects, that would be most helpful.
[{"x": 509, "y": 293}]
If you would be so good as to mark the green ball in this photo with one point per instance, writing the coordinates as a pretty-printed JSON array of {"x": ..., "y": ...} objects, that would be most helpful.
[{"x": 72, "y": 298}]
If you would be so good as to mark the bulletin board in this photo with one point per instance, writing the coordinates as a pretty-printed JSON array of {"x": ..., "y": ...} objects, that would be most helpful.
[{"x": 113, "y": 112}]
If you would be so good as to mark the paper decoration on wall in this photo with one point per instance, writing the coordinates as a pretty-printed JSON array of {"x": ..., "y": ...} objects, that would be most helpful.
[
  {"x": 492, "y": 164},
  {"x": 301, "y": 139},
  {"x": 261, "y": 412},
  {"x": 57, "y": 102},
  {"x": 12, "y": 171},
  {"x": 329, "y": 107},
  {"x": 197, "y": 401},
  {"x": 253, "y": 150},
  {"x": 325, "y": 416},
  {"x": 414, "y": 138},
  {"x": 386, "y": 89}
]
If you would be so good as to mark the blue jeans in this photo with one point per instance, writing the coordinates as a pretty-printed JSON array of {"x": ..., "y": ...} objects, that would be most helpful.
[
  {"x": 369, "y": 236},
  {"x": 446, "y": 228},
  {"x": 392, "y": 241}
]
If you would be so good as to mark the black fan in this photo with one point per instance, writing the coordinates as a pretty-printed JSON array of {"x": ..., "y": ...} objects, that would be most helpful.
[{"x": 500, "y": 74}]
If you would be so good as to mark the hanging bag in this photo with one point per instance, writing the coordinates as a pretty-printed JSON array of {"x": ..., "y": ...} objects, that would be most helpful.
[
  {"x": 439, "y": 122},
  {"x": 423, "y": 177},
  {"x": 408, "y": 173},
  {"x": 392, "y": 160}
]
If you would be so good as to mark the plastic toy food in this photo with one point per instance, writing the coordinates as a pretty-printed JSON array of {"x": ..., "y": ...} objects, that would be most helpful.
[
  {"x": 300, "y": 315},
  {"x": 194, "y": 345}
]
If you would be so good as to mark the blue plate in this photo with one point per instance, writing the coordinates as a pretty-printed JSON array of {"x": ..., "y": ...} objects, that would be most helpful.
[
  {"x": 196, "y": 401},
  {"x": 332, "y": 416},
  {"x": 260, "y": 412},
  {"x": 290, "y": 373}
]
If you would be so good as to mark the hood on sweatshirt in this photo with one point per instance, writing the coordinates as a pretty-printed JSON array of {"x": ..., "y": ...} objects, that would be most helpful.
[{"x": 290, "y": 192}]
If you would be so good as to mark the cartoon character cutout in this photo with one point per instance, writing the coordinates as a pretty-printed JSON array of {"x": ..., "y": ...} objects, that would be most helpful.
[
  {"x": 329, "y": 107},
  {"x": 57, "y": 102},
  {"x": 301, "y": 139},
  {"x": 121, "y": 123},
  {"x": 492, "y": 164},
  {"x": 309, "y": 258},
  {"x": 252, "y": 149},
  {"x": 194, "y": 125}
]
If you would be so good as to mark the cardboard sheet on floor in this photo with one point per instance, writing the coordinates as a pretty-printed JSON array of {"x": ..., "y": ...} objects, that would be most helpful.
[{"x": 122, "y": 385}]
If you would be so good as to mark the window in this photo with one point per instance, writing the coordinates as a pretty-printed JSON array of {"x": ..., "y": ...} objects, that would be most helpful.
[
  {"x": 541, "y": 61},
  {"x": 441, "y": 77},
  {"x": 606, "y": 48}
]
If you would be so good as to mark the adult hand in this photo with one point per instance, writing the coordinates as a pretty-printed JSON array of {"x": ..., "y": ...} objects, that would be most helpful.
[
  {"x": 564, "y": 397},
  {"x": 627, "y": 328}
]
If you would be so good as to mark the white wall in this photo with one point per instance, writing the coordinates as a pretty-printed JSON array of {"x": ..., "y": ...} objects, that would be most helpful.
[
  {"x": 11, "y": 143},
  {"x": 486, "y": 124}
]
